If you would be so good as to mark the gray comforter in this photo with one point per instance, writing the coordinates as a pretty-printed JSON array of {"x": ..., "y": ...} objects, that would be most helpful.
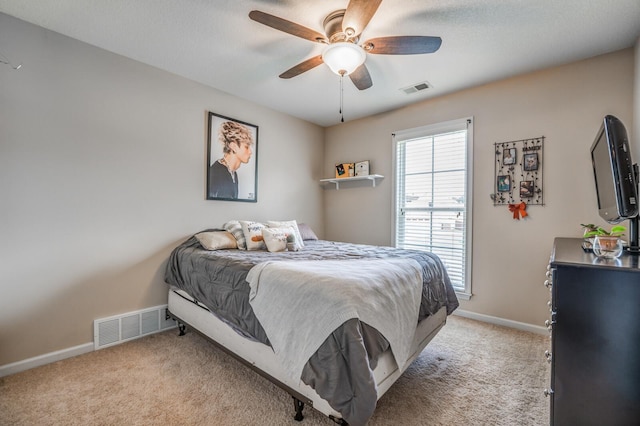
[{"x": 341, "y": 371}]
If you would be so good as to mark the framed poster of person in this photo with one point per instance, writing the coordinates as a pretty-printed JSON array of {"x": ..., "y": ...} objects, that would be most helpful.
[{"x": 232, "y": 163}]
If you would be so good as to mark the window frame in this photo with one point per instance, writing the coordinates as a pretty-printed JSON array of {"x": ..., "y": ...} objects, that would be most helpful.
[{"x": 432, "y": 130}]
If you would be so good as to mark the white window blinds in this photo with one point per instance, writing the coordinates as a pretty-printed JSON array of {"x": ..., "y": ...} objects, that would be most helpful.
[{"x": 432, "y": 198}]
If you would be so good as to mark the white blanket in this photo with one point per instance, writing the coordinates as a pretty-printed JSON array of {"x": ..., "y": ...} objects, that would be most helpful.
[{"x": 299, "y": 304}]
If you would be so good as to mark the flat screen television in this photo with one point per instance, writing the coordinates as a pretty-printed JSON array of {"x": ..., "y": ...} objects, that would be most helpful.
[{"x": 615, "y": 177}]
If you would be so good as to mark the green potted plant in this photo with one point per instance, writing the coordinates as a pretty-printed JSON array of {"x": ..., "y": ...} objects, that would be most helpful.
[
  {"x": 591, "y": 230},
  {"x": 605, "y": 243}
]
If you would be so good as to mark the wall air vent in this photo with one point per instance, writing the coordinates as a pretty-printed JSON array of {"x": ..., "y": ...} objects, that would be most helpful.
[
  {"x": 414, "y": 88},
  {"x": 132, "y": 325}
]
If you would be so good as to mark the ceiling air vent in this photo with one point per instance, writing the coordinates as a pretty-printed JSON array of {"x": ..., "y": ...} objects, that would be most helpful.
[{"x": 416, "y": 87}]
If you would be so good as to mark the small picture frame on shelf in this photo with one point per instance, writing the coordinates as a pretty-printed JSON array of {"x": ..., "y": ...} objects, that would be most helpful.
[
  {"x": 344, "y": 170},
  {"x": 362, "y": 168}
]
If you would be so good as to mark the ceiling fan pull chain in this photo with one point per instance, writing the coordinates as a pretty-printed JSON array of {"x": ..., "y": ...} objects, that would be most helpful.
[{"x": 341, "y": 98}]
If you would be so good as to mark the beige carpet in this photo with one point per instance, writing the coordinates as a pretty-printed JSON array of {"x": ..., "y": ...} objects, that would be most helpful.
[{"x": 472, "y": 373}]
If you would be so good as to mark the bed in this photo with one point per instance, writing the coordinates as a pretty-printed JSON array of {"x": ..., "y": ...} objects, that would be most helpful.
[{"x": 255, "y": 305}]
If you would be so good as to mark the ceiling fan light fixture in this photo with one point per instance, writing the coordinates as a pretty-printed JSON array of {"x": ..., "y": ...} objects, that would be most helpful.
[{"x": 343, "y": 58}]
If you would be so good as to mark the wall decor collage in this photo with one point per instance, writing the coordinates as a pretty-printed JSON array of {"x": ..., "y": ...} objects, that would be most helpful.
[{"x": 518, "y": 172}]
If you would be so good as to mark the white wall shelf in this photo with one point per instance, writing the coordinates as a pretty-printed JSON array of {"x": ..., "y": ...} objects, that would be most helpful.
[{"x": 338, "y": 181}]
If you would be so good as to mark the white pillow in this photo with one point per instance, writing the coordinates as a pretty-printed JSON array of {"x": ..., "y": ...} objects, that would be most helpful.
[
  {"x": 235, "y": 228},
  {"x": 293, "y": 224},
  {"x": 276, "y": 238},
  {"x": 217, "y": 240},
  {"x": 253, "y": 234}
]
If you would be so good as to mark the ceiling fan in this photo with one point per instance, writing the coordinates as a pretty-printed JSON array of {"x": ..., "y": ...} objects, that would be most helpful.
[{"x": 342, "y": 29}]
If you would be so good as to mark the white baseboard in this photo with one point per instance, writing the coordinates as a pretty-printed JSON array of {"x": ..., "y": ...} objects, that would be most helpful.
[
  {"x": 501, "y": 321},
  {"x": 37, "y": 361}
]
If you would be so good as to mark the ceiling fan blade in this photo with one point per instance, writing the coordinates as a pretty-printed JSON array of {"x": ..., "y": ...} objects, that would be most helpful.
[
  {"x": 361, "y": 78},
  {"x": 402, "y": 45},
  {"x": 358, "y": 15},
  {"x": 302, "y": 67},
  {"x": 287, "y": 26}
]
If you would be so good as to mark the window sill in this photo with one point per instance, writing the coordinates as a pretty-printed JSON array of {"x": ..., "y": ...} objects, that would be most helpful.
[{"x": 464, "y": 296}]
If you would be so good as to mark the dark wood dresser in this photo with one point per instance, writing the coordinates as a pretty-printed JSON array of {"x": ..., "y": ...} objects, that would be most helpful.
[{"x": 595, "y": 337}]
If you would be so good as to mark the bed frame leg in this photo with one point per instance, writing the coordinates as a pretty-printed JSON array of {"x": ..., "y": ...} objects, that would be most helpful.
[
  {"x": 299, "y": 406},
  {"x": 182, "y": 329},
  {"x": 339, "y": 421}
]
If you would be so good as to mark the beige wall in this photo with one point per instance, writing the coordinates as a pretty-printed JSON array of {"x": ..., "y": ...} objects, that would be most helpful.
[
  {"x": 564, "y": 104},
  {"x": 102, "y": 173}
]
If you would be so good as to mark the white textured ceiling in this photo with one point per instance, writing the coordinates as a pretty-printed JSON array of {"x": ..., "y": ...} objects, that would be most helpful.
[{"x": 215, "y": 43}]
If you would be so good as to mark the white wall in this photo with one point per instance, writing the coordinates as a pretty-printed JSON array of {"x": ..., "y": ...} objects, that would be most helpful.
[
  {"x": 565, "y": 104},
  {"x": 102, "y": 173}
]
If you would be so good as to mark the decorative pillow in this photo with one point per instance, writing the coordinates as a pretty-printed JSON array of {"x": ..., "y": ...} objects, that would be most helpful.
[
  {"x": 293, "y": 224},
  {"x": 306, "y": 232},
  {"x": 253, "y": 234},
  {"x": 217, "y": 240},
  {"x": 235, "y": 228},
  {"x": 276, "y": 238},
  {"x": 292, "y": 244}
]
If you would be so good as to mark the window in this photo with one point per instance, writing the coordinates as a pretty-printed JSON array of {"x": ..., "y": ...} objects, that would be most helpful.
[{"x": 433, "y": 197}]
